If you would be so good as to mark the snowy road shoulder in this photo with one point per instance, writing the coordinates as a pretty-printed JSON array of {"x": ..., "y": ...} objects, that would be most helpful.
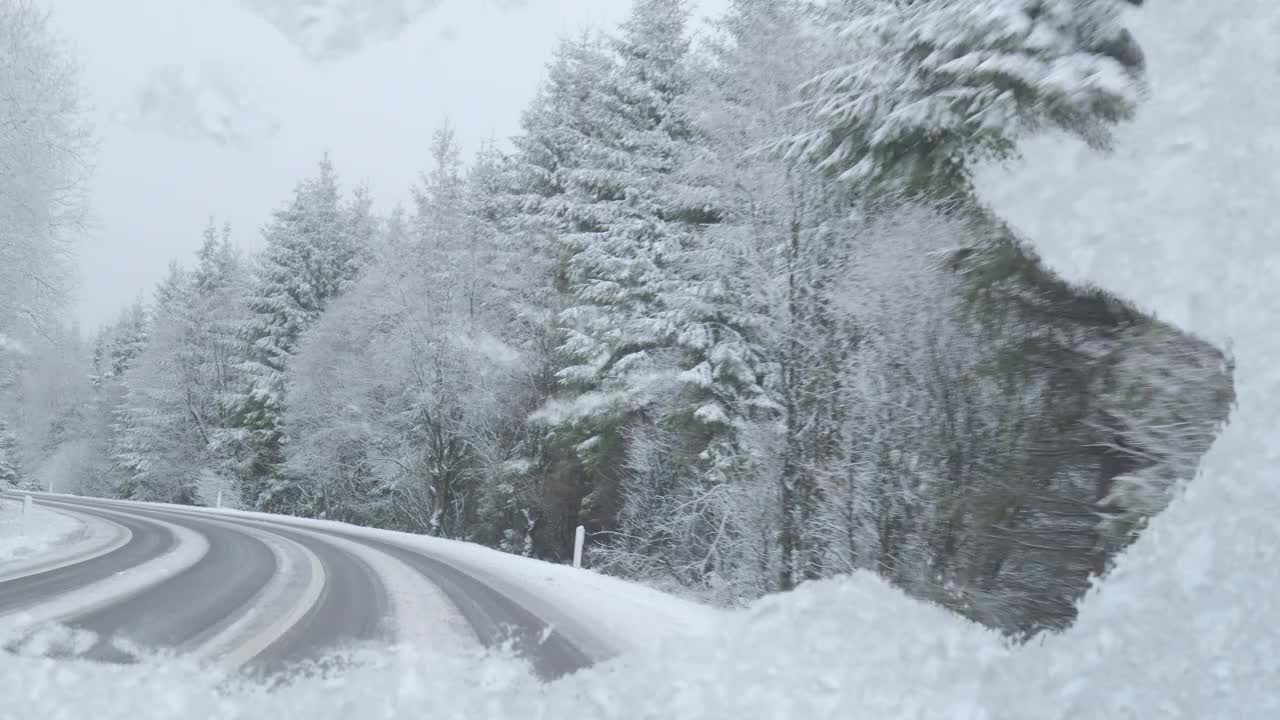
[
  {"x": 42, "y": 538},
  {"x": 189, "y": 547}
]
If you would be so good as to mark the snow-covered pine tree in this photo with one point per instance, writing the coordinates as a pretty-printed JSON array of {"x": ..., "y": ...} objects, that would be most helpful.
[
  {"x": 692, "y": 510},
  {"x": 615, "y": 245},
  {"x": 505, "y": 296},
  {"x": 105, "y": 393},
  {"x": 310, "y": 258},
  {"x": 398, "y": 395},
  {"x": 221, "y": 280},
  {"x": 151, "y": 442},
  {"x": 917, "y": 92},
  {"x": 548, "y": 200},
  {"x": 441, "y": 227},
  {"x": 129, "y": 338},
  {"x": 785, "y": 239},
  {"x": 116, "y": 351},
  {"x": 362, "y": 231},
  {"x": 616, "y": 264},
  {"x": 174, "y": 413}
]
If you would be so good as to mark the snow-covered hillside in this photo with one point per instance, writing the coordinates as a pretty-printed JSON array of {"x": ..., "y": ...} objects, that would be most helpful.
[{"x": 1188, "y": 625}]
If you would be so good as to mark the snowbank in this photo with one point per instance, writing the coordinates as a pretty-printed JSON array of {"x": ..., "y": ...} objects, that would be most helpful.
[
  {"x": 854, "y": 647},
  {"x": 827, "y": 649},
  {"x": 42, "y": 530}
]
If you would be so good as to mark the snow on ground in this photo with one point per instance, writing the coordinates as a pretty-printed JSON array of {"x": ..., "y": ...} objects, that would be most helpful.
[
  {"x": 1188, "y": 626},
  {"x": 828, "y": 648},
  {"x": 22, "y": 539}
]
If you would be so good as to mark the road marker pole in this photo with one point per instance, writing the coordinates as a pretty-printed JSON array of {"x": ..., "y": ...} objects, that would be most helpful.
[
  {"x": 219, "y": 499},
  {"x": 578, "y": 538}
]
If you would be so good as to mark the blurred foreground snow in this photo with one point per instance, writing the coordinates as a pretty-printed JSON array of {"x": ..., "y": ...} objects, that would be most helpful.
[
  {"x": 207, "y": 103},
  {"x": 1188, "y": 626},
  {"x": 333, "y": 29},
  {"x": 329, "y": 29},
  {"x": 1181, "y": 221}
]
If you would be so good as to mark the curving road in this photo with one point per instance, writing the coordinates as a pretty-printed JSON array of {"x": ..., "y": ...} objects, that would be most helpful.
[{"x": 256, "y": 595}]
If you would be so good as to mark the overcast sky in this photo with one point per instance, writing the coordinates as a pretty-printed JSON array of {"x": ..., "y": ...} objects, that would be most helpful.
[{"x": 477, "y": 62}]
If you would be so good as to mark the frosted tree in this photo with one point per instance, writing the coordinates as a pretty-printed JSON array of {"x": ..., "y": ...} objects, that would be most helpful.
[
  {"x": 914, "y": 95},
  {"x": 129, "y": 338},
  {"x": 52, "y": 414},
  {"x": 43, "y": 166},
  {"x": 694, "y": 510},
  {"x": 150, "y": 413},
  {"x": 548, "y": 197},
  {"x": 615, "y": 266},
  {"x": 220, "y": 280},
  {"x": 620, "y": 232},
  {"x": 115, "y": 352},
  {"x": 44, "y": 141},
  {"x": 174, "y": 410},
  {"x": 348, "y": 396},
  {"x": 919, "y": 91},
  {"x": 10, "y": 468},
  {"x": 398, "y": 394},
  {"x": 311, "y": 256}
]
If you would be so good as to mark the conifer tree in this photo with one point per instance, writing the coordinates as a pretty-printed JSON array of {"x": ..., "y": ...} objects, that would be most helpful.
[{"x": 310, "y": 258}]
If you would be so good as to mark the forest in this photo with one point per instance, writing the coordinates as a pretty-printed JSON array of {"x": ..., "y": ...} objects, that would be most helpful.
[{"x": 731, "y": 301}]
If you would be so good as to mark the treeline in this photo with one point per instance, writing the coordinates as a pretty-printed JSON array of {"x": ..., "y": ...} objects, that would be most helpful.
[{"x": 732, "y": 304}]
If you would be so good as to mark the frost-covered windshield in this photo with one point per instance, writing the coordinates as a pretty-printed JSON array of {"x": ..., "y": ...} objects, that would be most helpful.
[{"x": 639, "y": 359}]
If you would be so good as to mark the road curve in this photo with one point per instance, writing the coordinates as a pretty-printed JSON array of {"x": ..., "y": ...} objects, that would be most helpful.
[
  {"x": 148, "y": 541},
  {"x": 351, "y": 609},
  {"x": 494, "y": 617},
  {"x": 176, "y": 610}
]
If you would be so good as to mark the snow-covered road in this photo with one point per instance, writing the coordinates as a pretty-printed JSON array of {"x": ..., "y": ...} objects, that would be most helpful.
[{"x": 265, "y": 594}]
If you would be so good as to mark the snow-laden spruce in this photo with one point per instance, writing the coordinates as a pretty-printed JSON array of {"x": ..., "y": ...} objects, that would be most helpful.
[
  {"x": 315, "y": 248},
  {"x": 402, "y": 396},
  {"x": 921, "y": 90},
  {"x": 173, "y": 420}
]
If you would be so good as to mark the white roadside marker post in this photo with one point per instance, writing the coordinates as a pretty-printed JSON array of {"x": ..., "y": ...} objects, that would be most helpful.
[
  {"x": 219, "y": 499},
  {"x": 26, "y": 512},
  {"x": 50, "y": 486},
  {"x": 578, "y": 537}
]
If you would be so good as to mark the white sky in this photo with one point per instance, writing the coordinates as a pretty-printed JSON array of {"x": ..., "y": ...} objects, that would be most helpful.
[{"x": 477, "y": 62}]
